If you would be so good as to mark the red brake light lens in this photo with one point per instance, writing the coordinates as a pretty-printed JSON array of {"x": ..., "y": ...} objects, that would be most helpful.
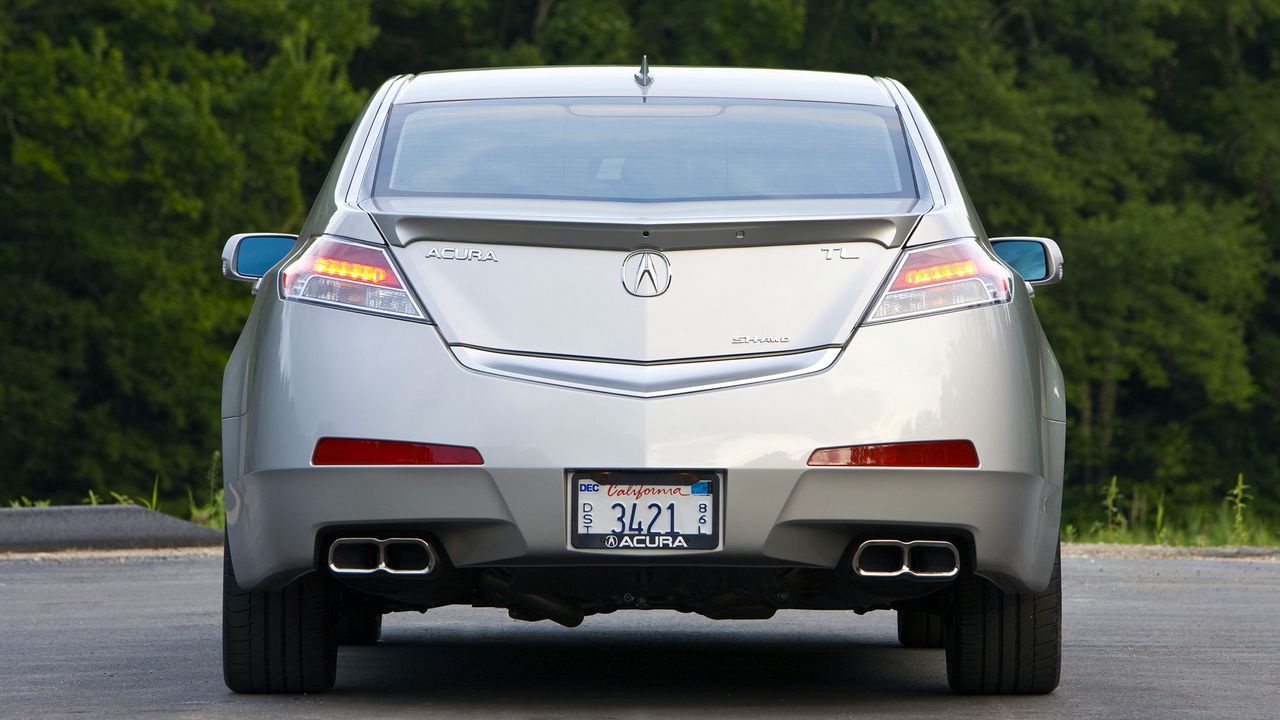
[
  {"x": 359, "y": 451},
  {"x": 933, "y": 453},
  {"x": 947, "y": 276},
  {"x": 348, "y": 274}
]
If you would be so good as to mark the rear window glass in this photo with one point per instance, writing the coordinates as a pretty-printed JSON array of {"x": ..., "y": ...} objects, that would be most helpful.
[{"x": 621, "y": 149}]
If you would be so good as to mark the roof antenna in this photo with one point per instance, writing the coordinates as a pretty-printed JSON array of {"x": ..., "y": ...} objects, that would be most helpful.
[{"x": 643, "y": 79}]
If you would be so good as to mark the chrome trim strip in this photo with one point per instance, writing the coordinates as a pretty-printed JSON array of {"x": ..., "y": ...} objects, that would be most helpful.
[
  {"x": 668, "y": 361},
  {"x": 645, "y": 380}
]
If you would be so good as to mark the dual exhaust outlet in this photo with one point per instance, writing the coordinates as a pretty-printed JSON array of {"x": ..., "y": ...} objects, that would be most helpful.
[
  {"x": 908, "y": 559},
  {"x": 397, "y": 556}
]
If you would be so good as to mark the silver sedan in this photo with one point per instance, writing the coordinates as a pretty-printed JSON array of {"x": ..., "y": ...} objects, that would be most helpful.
[{"x": 567, "y": 341}]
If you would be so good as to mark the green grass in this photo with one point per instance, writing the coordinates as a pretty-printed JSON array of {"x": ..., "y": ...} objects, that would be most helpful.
[
  {"x": 209, "y": 511},
  {"x": 1231, "y": 523},
  {"x": 212, "y": 512},
  {"x": 1201, "y": 528}
]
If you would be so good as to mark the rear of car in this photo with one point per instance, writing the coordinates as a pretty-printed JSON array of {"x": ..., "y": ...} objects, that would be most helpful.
[{"x": 561, "y": 342}]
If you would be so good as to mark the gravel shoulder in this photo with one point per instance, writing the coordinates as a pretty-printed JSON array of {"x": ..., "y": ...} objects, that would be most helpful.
[
  {"x": 98, "y": 527},
  {"x": 1135, "y": 552}
]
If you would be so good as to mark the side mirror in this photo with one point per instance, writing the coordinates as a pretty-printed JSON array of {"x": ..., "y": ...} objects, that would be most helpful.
[
  {"x": 1038, "y": 260},
  {"x": 248, "y": 256}
]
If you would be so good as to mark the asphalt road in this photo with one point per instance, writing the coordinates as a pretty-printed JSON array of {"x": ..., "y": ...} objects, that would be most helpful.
[{"x": 137, "y": 637}]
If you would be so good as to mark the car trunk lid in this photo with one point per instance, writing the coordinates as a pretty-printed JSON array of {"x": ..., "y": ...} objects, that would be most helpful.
[{"x": 561, "y": 284}]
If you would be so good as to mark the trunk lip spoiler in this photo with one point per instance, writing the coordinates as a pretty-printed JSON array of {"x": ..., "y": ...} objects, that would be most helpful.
[{"x": 403, "y": 229}]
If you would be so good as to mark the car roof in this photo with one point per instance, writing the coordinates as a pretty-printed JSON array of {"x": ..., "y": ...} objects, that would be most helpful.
[{"x": 618, "y": 81}]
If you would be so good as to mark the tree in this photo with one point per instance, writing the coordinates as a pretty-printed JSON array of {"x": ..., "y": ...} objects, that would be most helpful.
[
  {"x": 138, "y": 133},
  {"x": 136, "y": 136}
]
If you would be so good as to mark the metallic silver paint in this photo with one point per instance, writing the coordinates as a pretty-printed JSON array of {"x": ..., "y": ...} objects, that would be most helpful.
[
  {"x": 975, "y": 383},
  {"x": 646, "y": 379},
  {"x": 573, "y": 372},
  {"x": 617, "y": 81},
  {"x": 538, "y": 300}
]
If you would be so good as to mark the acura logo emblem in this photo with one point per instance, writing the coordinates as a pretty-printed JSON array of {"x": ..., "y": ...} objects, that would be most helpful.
[{"x": 646, "y": 273}]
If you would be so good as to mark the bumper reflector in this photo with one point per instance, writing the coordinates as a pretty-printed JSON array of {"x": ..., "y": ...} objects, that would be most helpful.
[
  {"x": 934, "y": 453},
  {"x": 357, "y": 451}
]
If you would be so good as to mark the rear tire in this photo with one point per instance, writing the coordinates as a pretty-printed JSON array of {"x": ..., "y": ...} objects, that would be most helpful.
[
  {"x": 359, "y": 627},
  {"x": 1004, "y": 643},
  {"x": 919, "y": 629},
  {"x": 278, "y": 641}
]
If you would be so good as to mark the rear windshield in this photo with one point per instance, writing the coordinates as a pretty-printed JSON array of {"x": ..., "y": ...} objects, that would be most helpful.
[{"x": 622, "y": 149}]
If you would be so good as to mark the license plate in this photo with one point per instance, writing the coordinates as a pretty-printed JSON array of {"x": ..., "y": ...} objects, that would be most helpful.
[{"x": 645, "y": 511}]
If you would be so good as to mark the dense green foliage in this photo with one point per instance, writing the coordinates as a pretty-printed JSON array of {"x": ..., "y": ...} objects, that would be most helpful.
[{"x": 136, "y": 134}]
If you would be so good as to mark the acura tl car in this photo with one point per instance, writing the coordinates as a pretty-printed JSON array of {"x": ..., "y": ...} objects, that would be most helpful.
[{"x": 569, "y": 341}]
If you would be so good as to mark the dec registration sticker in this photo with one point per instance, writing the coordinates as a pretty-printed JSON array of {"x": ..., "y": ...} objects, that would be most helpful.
[{"x": 645, "y": 510}]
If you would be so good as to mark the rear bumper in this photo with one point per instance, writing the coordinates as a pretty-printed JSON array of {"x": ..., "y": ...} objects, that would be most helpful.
[
  {"x": 792, "y": 518},
  {"x": 313, "y": 372}
]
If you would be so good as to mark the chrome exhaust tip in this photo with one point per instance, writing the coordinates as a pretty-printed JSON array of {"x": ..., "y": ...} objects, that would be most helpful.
[
  {"x": 354, "y": 555},
  {"x": 911, "y": 559},
  {"x": 397, "y": 556},
  {"x": 932, "y": 558}
]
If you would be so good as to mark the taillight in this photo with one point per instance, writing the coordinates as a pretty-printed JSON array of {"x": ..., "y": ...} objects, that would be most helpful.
[
  {"x": 947, "y": 276},
  {"x": 359, "y": 451},
  {"x": 348, "y": 274},
  {"x": 933, "y": 453}
]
